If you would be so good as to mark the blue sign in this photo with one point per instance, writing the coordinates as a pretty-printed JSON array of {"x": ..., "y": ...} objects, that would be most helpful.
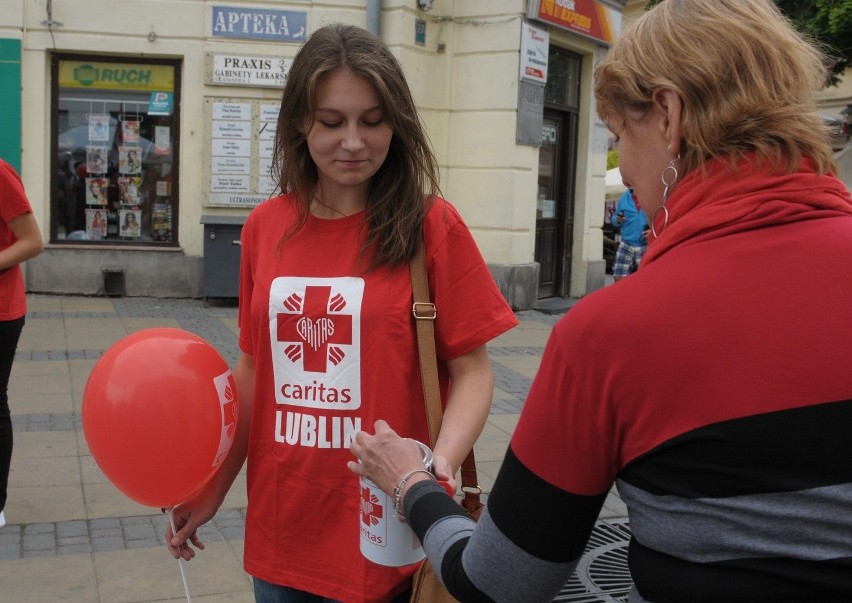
[
  {"x": 259, "y": 24},
  {"x": 160, "y": 103},
  {"x": 420, "y": 32}
]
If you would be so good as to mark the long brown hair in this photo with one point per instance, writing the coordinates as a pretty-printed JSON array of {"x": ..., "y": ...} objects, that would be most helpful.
[
  {"x": 745, "y": 77},
  {"x": 397, "y": 194}
]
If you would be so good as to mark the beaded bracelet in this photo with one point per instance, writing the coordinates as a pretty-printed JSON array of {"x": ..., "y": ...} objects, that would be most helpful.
[{"x": 397, "y": 490}]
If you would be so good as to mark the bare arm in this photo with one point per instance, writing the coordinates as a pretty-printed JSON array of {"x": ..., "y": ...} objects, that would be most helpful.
[
  {"x": 28, "y": 245},
  {"x": 203, "y": 505},
  {"x": 471, "y": 389}
]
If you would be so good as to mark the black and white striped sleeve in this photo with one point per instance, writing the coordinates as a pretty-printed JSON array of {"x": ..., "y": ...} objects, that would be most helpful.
[{"x": 525, "y": 546}]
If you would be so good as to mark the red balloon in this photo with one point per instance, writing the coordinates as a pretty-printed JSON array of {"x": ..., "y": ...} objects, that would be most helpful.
[{"x": 160, "y": 414}]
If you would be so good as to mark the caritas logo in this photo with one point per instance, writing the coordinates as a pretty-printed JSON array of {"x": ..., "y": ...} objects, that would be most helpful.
[
  {"x": 373, "y": 521},
  {"x": 227, "y": 390},
  {"x": 315, "y": 339}
]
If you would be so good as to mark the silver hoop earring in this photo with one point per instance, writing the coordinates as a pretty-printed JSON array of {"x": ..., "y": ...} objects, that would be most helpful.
[{"x": 669, "y": 177}]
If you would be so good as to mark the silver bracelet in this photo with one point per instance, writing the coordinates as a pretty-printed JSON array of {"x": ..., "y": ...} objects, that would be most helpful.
[{"x": 397, "y": 490}]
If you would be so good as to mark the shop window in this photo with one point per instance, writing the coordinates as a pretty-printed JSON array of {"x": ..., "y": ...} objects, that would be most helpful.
[
  {"x": 115, "y": 138},
  {"x": 563, "y": 79}
]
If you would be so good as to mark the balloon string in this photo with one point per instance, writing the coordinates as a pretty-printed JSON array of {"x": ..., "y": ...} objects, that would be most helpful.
[{"x": 180, "y": 559}]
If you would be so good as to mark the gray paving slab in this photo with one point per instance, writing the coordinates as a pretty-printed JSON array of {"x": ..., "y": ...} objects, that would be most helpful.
[{"x": 72, "y": 536}]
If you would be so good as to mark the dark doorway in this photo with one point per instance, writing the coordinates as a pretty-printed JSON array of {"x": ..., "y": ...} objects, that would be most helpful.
[{"x": 556, "y": 170}]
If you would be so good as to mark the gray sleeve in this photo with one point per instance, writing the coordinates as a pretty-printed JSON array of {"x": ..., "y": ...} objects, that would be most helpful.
[{"x": 477, "y": 561}]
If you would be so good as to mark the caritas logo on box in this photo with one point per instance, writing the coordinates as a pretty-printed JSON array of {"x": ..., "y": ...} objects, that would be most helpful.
[{"x": 373, "y": 520}]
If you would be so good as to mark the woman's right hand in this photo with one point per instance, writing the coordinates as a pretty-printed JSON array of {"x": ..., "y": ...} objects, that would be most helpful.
[
  {"x": 188, "y": 517},
  {"x": 385, "y": 457}
]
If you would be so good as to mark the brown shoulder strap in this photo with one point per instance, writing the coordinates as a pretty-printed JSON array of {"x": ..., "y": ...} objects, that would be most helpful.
[{"x": 425, "y": 314}]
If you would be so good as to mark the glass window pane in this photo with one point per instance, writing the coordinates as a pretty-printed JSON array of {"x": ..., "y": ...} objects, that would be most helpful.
[
  {"x": 563, "y": 79},
  {"x": 547, "y": 170},
  {"x": 115, "y": 156}
]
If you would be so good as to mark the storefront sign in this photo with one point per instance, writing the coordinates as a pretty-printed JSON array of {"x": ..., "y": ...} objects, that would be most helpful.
[
  {"x": 116, "y": 76},
  {"x": 588, "y": 18},
  {"x": 420, "y": 32},
  {"x": 242, "y": 70},
  {"x": 221, "y": 183},
  {"x": 231, "y": 165},
  {"x": 259, "y": 24},
  {"x": 534, "y": 48},
  {"x": 231, "y": 148},
  {"x": 229, "y": 200},
  {"x": 232, "y": 111},
  {"x": 231, "y": 129}
]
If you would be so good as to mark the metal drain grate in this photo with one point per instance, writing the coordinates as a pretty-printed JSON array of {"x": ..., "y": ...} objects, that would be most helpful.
[{"x": 602, "y": 573}]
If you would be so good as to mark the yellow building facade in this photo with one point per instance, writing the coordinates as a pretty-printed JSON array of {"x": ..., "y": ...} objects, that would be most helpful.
[{"x": 146, "y": 131}]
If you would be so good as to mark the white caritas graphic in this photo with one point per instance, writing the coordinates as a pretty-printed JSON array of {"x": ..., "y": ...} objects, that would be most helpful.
[
  {"x": 227, "y": 390},
  {"x": 315, "y": 334},
  {"x": 384, "y": 538}
]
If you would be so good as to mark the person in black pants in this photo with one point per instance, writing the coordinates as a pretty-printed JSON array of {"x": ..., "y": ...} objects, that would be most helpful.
[{"x": 20, "y": 240}]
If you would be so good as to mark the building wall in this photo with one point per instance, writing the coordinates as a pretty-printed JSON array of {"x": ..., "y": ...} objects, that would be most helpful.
[
  {"x": 464, "y": 79},
  {"x": 833, "y": 100},
  {"x": 469, "y": 101}
]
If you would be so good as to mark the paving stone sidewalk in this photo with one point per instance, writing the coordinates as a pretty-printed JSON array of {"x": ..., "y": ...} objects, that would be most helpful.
[{"x": 64, "y": 516}]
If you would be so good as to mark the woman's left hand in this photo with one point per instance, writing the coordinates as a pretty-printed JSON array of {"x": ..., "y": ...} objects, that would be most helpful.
[{"x": 385, "y": 457}]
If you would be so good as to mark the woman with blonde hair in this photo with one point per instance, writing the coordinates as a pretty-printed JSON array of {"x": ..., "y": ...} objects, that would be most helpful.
[
  {"x": 327, "y": 338},
  {"x": 723, "y": 413}
]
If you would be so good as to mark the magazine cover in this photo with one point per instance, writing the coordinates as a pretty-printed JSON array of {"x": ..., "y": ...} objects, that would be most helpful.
[
  {"x": 128, "y": 190},
  {"x": 161, "y": 222},
  {"x": 129, "y": 222},
  {"x": 129, "y": 161},
  {"x": 96, "y": 223},
  {"x": 99, "y": 128},
  {"x": 162, "y": 140},
  {"x": 96, "y": 159},
  {"x": 96, "y": 191},
  {"x": 130, "y": 131}
]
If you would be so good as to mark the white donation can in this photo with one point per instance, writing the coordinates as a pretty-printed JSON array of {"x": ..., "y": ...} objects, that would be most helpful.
[{"x": 384, "y": 538}]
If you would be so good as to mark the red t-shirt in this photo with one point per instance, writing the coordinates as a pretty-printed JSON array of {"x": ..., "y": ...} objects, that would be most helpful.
[
  {"x": 13, "y": 203},
  {"x": 335, "y": 349}
]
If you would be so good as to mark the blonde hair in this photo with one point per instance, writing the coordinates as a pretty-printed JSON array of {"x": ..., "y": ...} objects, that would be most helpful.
[{"x": 745, "y": 77}]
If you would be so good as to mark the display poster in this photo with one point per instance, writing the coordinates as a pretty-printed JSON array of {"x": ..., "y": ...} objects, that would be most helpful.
[
  {"x": 162, "y": 140},
  {"x": 128, "y": 190},
  {"x": 530, "y": 113},
  {"x": 130, "y": 130},
  {"x": 534, "y": 52},
  {"x": 161, "y": 222},
  {"x": 96, "y": 191},
  {"x": 242, "y": 137},
  {"x": 99, "y": 128},
  {"x": 129, "y": 161},
  {"x": 129, "y": 224},
  {"x": 97, "y": 159},
  {"x": 96, "y": 223},
  {"x": 160, "y": 103}
]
